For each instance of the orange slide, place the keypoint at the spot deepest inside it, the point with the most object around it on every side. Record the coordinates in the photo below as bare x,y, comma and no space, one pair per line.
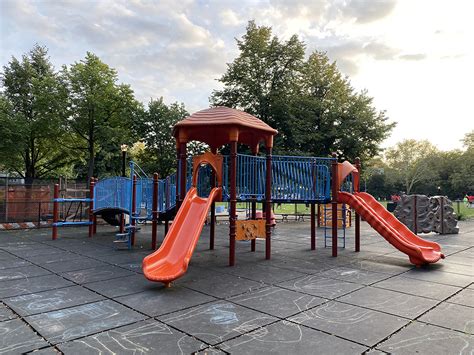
171,260
420,251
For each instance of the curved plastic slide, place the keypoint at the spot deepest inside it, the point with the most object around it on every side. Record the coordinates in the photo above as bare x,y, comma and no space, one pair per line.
171,260
420,251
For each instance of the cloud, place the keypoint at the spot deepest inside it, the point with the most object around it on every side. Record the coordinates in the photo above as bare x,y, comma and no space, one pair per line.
365,11
417,56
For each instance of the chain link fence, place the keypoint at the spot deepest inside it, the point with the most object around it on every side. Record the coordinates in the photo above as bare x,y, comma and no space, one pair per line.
22,202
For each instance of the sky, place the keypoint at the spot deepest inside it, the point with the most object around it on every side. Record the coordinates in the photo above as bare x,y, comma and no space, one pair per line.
414,57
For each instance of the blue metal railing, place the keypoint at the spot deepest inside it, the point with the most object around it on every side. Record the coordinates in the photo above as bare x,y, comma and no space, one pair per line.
113,193
294,179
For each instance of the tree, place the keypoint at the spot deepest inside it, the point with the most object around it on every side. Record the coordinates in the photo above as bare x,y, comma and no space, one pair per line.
411,162
262,78
155,126
32,113
462,179
313,106
102,113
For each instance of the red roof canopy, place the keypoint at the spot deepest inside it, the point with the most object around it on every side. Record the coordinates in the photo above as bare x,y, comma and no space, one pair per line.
217,126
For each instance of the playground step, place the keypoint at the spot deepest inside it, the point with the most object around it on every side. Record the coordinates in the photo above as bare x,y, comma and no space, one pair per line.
121,241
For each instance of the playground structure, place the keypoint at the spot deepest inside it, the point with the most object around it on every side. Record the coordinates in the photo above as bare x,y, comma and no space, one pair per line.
191,193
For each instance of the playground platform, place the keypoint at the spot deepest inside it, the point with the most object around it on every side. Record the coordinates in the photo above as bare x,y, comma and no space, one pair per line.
81,296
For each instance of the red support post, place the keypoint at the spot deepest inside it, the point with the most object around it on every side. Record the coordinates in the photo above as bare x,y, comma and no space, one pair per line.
154,212
268,207
212,227
134,208
94,230
167,203
334,188
55,211
357,216
313,226
91,208
233,201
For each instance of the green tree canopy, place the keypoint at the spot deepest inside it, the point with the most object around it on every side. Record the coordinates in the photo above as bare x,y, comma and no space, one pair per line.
33,107
102,113
411,162
155,126
313,106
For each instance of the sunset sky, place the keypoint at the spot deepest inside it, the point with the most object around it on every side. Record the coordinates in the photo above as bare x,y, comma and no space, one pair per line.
415,57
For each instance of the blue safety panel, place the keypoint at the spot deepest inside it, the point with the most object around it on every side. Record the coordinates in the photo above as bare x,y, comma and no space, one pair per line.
144,201
170,192
113,193
302,179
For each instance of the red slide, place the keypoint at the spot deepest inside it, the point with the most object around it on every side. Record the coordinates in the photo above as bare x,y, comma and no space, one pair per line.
420,251
171,260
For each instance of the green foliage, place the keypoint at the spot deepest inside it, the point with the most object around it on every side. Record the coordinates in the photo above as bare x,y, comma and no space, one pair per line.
102,114
262,79
462,178
418,167
411,162
313,106
155,126
32,114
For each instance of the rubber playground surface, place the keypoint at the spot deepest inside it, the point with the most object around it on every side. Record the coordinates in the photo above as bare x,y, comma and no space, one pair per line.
82,296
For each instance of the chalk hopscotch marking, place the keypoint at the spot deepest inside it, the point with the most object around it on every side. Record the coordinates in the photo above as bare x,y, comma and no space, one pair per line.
221,316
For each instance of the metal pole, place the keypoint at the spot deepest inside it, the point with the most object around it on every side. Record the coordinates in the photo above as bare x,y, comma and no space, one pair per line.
6,199
254,217
233,201
154,211
183,164
335,188
357,216
178,175
313,226
213,211
91,207
415,215
55,211
124,154
122,216
94,230
268,207
442,214
132,214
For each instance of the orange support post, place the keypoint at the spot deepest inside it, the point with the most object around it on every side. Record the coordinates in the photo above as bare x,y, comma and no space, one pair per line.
154,211
335,188
134,207
55,211
91,208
